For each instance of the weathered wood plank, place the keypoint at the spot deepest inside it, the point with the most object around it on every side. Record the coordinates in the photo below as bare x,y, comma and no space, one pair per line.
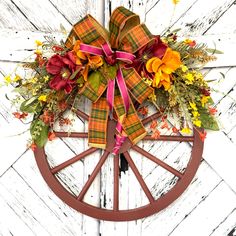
161,14
69,218
227,226
201,220
34,10
12,18
196,22
10,222
28,205
11,129
186,203
225,24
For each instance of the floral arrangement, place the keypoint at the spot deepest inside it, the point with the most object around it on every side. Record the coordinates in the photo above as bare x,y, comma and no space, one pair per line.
117,71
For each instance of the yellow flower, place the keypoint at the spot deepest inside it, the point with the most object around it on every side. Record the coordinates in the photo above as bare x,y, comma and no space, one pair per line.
204,100
193,106
46,78
8,79
186,130
17,78
42,98
153,97
38,52
195,114
163,68
184,68
197,122
190,78
175,1
33,80
38,43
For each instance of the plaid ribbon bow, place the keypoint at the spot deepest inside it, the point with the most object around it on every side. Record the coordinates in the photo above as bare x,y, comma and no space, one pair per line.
126,35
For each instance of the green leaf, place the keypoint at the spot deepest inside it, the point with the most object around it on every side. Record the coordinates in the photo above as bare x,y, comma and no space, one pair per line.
208,121
39,132
95,79
74,74
29,106
214,51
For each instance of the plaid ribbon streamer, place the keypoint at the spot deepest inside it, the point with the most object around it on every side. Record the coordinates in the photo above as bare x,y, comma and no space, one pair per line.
126,34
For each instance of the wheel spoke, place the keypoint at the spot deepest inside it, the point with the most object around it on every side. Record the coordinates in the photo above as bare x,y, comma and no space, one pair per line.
81,114
93,175
139,177
157,161
73,160
71,135
116,183
170,138
151,118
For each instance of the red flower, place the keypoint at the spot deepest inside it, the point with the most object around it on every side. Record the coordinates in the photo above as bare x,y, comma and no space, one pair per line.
62,68
157,49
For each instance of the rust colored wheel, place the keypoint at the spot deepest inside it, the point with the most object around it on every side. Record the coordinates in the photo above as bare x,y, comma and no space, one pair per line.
116,214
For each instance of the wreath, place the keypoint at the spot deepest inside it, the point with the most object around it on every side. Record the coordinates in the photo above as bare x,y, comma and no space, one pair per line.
120,71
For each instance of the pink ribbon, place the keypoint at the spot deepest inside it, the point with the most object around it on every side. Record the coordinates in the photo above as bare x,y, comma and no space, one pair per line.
111,57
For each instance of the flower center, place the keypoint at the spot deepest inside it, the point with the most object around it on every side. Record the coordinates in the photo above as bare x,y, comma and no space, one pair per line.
65,73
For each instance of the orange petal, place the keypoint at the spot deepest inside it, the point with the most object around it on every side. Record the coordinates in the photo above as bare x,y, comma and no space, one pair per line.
85,72
81,55
149,64
76,47
95,61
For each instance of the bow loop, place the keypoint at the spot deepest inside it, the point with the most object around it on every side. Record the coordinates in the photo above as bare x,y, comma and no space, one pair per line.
126,36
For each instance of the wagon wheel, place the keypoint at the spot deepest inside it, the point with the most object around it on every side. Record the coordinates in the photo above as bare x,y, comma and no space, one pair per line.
115,214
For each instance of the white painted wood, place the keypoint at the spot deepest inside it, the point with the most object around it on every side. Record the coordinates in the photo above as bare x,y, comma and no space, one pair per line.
165,221
27,204
12,18
34,10
208,214
227,226
219,152
201,16
10,222
69,218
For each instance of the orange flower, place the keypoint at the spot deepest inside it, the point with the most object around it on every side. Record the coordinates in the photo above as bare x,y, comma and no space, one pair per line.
143,111
165,125
32,146
19,115
154,124
163,68
86,60
212,110
203,135
175,130
51,136
156,134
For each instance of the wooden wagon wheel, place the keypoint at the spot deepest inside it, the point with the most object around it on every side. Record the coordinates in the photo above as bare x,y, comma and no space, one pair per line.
115,214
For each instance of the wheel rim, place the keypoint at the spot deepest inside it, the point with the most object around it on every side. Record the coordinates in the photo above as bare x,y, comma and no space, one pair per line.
154,206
